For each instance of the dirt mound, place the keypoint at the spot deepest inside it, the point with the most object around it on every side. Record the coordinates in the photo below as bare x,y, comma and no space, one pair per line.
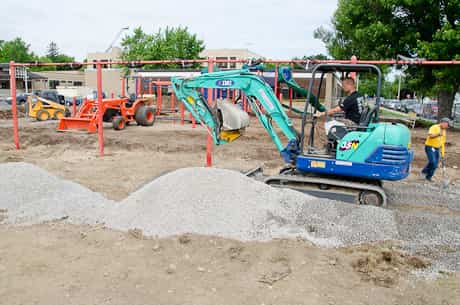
384,264
7,114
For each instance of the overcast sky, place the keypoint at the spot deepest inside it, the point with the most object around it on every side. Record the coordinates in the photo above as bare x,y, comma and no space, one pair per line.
272,28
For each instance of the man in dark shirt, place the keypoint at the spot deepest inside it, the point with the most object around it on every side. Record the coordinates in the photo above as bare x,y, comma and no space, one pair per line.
353,104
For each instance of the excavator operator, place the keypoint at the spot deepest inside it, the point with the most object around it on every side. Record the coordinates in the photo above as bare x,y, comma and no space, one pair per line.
352,106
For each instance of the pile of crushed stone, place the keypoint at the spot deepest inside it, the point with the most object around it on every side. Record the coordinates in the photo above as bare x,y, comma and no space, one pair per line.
225,203
31,195
205,201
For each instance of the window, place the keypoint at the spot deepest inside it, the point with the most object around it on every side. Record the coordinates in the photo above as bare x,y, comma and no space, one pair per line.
104,66
222,65
233,64
78,84
52,84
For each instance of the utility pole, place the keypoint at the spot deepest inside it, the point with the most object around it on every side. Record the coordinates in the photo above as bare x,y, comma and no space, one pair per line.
116,38
25,80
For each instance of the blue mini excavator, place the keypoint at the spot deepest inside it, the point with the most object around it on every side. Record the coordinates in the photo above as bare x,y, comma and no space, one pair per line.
357,158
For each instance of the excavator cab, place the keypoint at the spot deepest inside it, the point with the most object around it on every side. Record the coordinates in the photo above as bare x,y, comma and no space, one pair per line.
335,130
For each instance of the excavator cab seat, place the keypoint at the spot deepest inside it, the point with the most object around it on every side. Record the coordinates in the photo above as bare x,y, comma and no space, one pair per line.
336,133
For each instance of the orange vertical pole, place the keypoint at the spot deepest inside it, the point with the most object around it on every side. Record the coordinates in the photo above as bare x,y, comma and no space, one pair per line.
138,87
159,99
123,87
173,107
14,104
354,60
173,102
74,106
193,120
150,87
209,141
100,126
245,103
182,113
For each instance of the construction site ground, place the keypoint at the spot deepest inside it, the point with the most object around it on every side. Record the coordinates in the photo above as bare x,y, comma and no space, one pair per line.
59,263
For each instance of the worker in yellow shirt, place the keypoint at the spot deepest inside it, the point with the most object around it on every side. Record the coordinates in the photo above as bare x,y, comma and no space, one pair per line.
434,143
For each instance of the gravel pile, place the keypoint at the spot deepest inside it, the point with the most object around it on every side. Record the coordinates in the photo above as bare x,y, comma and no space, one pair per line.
423,194
209,202
225,203
31,195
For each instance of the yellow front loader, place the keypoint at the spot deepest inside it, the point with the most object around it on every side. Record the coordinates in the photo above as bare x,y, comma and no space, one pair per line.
43,110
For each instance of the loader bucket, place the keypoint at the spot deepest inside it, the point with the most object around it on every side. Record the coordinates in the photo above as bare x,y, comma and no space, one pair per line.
88,125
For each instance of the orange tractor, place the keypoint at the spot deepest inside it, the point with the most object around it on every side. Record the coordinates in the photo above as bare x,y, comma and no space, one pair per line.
120,112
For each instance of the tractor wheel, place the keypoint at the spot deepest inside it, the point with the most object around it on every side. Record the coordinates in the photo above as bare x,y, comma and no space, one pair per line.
67,113
145,116
118,123
58,114
43,115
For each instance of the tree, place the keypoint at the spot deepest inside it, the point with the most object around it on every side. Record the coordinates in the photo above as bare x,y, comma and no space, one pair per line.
170,43
54,56
52,51
16,49
379,29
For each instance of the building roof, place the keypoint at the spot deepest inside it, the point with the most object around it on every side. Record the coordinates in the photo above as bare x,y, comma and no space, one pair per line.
5,75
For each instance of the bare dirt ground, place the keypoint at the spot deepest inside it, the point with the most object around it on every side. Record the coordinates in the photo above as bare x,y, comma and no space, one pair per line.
57,263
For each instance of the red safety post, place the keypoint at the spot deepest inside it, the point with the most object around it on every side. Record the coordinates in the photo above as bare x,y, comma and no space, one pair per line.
234,95
159,99
192,118
74,106
14,103
182,113
228,93
123,87
245,103
354,60
173,102
112,95
138,87
209,141
100,123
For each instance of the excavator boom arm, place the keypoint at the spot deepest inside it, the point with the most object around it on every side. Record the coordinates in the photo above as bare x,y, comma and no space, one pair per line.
260,96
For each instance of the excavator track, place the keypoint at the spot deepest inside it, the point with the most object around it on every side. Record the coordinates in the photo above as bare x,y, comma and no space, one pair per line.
367,193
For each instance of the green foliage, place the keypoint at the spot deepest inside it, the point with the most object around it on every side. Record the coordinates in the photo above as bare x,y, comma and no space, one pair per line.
52,51
167,44
16,49
381,29
53,55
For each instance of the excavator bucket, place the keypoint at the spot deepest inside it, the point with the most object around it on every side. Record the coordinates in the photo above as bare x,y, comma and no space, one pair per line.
85,124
